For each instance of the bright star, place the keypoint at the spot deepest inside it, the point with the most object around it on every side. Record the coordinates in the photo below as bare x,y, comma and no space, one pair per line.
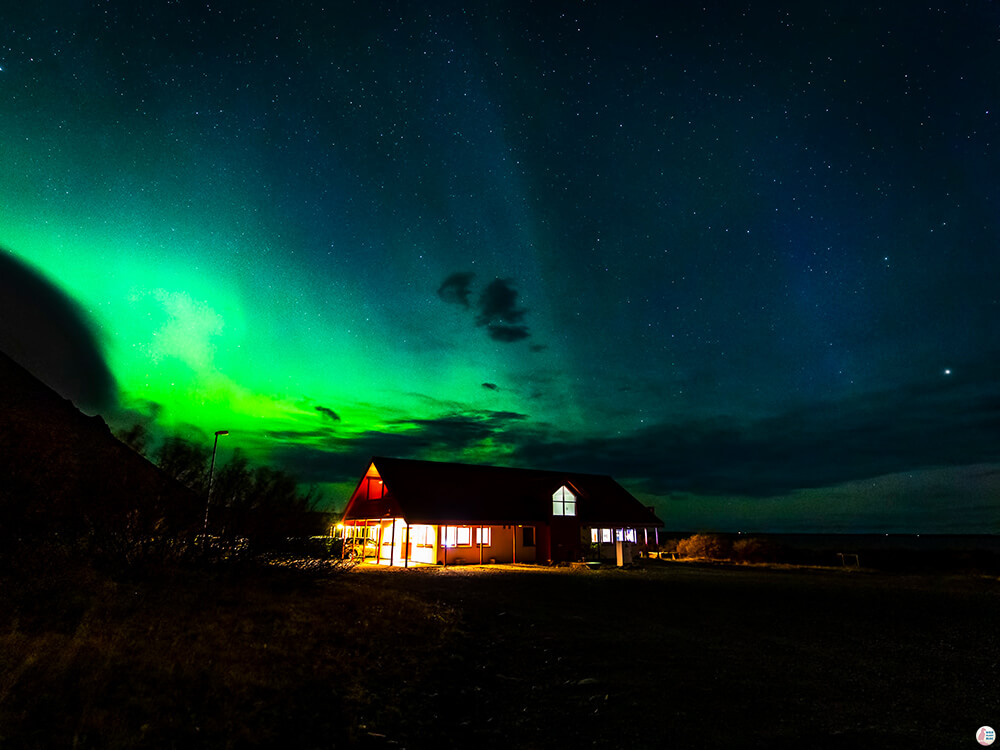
947,371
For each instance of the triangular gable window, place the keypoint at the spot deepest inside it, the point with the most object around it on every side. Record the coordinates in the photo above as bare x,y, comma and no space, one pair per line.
563,502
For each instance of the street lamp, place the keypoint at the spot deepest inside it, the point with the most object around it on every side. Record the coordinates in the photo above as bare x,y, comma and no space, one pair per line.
211,474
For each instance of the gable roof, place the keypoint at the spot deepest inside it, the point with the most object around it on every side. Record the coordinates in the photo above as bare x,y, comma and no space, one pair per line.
438,492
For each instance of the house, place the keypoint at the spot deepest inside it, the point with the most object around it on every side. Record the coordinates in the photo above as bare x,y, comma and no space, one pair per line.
407,512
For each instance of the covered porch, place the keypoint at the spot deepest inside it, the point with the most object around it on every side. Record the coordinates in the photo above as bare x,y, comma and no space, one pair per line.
394,542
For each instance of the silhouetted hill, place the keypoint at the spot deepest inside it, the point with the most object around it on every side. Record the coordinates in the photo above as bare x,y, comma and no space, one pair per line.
64,473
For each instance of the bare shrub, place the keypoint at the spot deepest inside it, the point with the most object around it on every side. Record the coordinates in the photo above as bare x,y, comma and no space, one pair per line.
706,546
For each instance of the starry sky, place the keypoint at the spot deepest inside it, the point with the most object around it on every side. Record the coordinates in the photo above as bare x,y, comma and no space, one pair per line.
744,259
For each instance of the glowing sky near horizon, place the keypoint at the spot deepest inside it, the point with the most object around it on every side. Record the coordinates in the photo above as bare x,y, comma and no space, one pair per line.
743,260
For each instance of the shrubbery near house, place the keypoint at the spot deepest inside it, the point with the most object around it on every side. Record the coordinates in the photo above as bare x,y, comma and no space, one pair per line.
707,546
718,547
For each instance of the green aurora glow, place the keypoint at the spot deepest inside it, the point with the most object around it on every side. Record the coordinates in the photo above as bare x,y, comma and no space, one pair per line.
725,259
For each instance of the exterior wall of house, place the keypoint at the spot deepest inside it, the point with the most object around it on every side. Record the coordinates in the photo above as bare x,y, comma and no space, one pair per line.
565,544
619,545
393,542
506,545
620,553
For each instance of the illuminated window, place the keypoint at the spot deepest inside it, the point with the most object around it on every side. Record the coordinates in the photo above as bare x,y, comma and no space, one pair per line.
483,536
422,536
457,536
606,536
528,536
630,535
563,502
593,536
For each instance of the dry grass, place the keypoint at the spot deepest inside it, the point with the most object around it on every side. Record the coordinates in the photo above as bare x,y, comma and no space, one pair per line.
683,656
220,659
672,655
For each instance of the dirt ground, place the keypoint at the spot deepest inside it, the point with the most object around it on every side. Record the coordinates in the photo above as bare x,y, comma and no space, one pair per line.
687,656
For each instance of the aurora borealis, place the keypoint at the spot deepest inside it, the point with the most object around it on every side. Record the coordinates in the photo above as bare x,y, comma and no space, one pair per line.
744,259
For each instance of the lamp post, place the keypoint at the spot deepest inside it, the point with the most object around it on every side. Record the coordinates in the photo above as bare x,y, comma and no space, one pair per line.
211,474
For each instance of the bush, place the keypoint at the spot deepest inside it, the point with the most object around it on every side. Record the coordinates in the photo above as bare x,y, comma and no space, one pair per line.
708,546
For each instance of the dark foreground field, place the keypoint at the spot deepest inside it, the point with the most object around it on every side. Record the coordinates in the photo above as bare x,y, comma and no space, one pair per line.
669,656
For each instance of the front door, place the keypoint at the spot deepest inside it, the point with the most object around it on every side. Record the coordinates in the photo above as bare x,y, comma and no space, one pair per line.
565,539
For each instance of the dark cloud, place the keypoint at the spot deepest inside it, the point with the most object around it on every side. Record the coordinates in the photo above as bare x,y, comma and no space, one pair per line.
491,386
330,413
321,464
47,333
456,288
507,334
817,458
497,305
461,432
341,459
945,423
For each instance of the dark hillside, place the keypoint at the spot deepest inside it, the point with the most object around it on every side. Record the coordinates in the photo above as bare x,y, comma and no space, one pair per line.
64,474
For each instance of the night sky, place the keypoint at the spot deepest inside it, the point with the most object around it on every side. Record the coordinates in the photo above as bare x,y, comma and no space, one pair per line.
745,260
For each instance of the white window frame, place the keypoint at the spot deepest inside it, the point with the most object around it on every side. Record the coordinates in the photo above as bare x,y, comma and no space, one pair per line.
421,535
457,536
564,502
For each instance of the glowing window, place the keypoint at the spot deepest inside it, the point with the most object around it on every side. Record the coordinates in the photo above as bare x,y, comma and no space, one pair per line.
606,536
422,536
563,502
483,536
594,536
457,536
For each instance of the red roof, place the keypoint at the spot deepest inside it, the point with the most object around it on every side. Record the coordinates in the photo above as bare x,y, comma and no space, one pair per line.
436,492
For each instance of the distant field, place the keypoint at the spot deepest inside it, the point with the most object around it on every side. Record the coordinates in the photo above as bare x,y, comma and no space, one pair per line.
669,655
952,553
